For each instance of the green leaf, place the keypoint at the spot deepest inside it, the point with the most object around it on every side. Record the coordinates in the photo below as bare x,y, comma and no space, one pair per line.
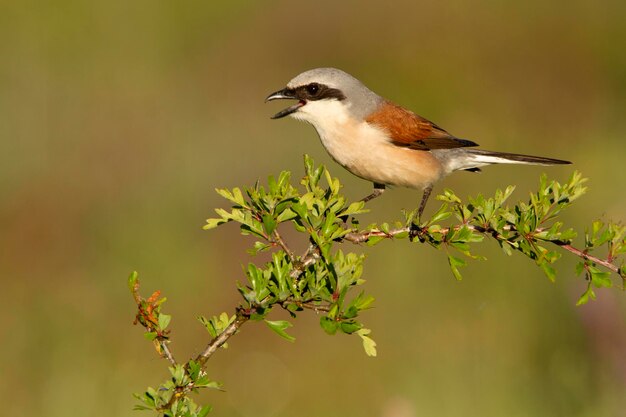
350,327
258,247
374,240
238,197
194,369
178,373
548,270
455,263
269,223
368,343
208,325
164,321
600,278
351,312
308,164
205,382
364,303
132,280
441,214
279,327
287,214
300,209
213,223
329,325
588,294
272,185
354,208
449,196
204,411
139,407
225,193
332,314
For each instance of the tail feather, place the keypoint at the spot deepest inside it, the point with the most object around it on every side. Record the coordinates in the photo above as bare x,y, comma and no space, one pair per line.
492,157
472,159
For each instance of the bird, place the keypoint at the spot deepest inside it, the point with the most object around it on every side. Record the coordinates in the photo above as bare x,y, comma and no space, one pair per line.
380,141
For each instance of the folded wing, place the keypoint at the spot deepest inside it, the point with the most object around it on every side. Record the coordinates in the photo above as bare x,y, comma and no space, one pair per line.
407,129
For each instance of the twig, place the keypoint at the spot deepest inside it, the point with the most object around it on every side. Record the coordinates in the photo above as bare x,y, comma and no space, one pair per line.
279,240
240,318
167,354
145,316
309,257
315,308
312,255
310,305
586,256
363,236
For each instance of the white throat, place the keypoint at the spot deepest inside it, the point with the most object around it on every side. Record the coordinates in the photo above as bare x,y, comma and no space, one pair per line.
338,130
324,115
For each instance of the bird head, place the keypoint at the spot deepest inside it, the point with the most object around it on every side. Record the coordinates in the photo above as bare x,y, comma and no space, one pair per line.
323,94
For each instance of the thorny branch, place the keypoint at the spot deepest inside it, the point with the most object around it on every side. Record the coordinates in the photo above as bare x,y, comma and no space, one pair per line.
309,305
363,236
312,255
582,254
241,317
167,354
277,238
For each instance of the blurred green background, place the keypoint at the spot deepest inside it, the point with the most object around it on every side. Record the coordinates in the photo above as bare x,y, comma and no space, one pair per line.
118,119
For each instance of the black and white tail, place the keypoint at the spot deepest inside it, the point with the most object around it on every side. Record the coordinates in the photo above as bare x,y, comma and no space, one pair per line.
473,159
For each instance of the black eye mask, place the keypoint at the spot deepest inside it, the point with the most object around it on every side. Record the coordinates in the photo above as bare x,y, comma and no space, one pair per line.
305,93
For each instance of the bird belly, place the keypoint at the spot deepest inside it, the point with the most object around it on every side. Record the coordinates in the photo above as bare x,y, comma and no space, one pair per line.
365,151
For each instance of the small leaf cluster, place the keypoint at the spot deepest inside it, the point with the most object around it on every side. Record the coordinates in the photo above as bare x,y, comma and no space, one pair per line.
217,324
171,398
523,227
149,315
526,227
612,236
321,278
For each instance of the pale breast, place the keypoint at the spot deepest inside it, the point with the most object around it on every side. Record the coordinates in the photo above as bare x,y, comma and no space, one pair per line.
366,151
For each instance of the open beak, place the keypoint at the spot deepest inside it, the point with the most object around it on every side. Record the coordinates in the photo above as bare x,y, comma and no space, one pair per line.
285,94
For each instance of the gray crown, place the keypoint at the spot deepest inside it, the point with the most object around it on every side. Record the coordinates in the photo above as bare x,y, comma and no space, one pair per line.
354,90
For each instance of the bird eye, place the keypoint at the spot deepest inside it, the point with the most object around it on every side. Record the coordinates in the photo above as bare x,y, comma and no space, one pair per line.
312,89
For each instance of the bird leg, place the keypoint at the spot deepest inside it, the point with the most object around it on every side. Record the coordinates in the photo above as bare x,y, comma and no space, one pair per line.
378,190
425,196
415,229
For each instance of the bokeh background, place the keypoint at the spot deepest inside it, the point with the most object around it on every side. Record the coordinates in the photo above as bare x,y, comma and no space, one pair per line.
118,119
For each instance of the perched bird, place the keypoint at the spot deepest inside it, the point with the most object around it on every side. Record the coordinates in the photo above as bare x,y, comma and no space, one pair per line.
380,141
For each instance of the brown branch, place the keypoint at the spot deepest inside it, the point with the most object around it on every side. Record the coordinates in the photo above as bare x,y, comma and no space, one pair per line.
586,256
363,236
167,354
310,305
243,315
279,240
240,318
309,257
